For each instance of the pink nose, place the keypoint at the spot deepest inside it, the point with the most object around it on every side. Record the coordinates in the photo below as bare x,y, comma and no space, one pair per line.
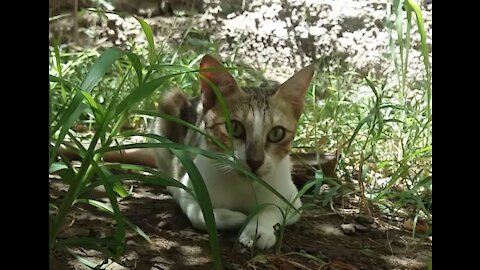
254,164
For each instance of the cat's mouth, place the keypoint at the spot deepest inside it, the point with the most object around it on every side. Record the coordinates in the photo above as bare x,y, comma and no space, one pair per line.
260,171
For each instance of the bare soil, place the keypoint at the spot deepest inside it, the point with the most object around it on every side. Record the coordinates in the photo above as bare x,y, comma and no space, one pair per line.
176,245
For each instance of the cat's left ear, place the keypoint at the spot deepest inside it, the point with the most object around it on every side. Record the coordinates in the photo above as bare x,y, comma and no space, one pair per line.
213,72
293,91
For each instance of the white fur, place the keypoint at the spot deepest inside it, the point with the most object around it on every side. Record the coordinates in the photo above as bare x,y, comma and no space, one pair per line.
258,126
233,196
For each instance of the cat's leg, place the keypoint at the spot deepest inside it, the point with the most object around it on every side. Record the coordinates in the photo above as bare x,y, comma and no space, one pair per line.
262,228
292,215
224,218
267,219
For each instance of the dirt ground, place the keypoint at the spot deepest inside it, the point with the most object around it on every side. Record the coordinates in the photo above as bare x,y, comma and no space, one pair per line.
178,246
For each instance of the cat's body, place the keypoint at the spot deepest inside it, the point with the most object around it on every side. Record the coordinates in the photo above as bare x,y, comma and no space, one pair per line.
264,123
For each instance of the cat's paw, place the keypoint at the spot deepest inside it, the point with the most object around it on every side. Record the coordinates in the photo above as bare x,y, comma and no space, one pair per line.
228,219
265,236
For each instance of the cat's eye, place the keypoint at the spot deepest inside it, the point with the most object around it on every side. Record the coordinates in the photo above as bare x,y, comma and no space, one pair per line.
238,131
276,134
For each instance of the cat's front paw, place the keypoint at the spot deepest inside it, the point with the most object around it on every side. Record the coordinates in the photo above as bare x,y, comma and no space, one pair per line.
265,236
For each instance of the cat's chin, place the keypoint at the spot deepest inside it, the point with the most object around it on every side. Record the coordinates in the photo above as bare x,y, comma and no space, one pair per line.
263,171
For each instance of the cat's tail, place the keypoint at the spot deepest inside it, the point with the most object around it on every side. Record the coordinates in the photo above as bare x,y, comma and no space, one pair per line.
177,104
174,103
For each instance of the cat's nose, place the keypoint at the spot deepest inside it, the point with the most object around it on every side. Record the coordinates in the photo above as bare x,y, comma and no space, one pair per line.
254,164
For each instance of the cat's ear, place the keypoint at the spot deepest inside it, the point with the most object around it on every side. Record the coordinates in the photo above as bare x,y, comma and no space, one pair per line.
293,91
212,71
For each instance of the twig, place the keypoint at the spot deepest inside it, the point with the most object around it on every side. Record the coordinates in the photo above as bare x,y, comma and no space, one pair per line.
388,241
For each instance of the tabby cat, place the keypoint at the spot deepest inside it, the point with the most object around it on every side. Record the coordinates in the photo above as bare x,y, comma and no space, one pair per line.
264,122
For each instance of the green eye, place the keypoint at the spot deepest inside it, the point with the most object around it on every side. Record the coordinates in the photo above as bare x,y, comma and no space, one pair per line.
276,134
238,131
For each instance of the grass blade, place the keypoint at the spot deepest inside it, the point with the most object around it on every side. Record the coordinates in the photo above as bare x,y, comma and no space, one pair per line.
159,179
87,262
106,59
183,123
147,30
57,166
142,92
97,110
203,199
137,66
357,129
59,70
107,208
412,5
76,107
120,224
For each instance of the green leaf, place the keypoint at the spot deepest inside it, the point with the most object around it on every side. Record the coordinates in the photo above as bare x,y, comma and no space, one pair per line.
57,166
180,122
104,174
52,206
106,59
372,86
76,106
137,66
147,30
357,129
412,5
96,109
158,178
142,92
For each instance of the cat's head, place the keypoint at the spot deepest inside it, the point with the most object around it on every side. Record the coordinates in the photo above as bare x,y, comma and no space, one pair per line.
264,121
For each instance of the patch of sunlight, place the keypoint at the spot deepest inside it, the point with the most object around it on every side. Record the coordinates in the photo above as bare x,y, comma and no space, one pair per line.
407,263
330,229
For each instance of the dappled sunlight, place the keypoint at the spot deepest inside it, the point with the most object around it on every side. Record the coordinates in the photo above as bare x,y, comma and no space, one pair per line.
330,229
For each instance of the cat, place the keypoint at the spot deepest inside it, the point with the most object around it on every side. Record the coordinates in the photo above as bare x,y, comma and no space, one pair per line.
264,122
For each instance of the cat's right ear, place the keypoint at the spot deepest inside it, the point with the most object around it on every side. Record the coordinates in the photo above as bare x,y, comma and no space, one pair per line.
213,72
294,89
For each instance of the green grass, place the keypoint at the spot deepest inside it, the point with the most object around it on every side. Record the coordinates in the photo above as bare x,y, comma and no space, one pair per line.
383,131
107,119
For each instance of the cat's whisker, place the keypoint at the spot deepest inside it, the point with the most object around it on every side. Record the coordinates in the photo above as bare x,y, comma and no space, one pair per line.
223,167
